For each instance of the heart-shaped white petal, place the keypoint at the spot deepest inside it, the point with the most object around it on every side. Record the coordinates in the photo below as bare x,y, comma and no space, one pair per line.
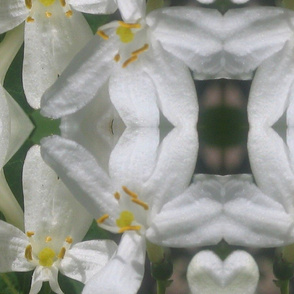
208,274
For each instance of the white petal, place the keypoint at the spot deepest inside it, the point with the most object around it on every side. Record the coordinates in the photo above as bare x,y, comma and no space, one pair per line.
174,85
206,1
49,49
50,209
13,243
12,13
134,157
134,96
9,205
85,259
270,88
192,35
124,271
252,35
94,6
131,10
271,167
87,181
240,1
177,146
208,274
81,80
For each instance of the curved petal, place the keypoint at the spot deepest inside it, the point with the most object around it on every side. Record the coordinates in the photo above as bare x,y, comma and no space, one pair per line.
127,262
174,85
270,88
237,274
192,35
94,6
12,13
81,80
49,49
134,157
13,243
85,259
131,10
87,181
133,94
50,209
252,35
177,146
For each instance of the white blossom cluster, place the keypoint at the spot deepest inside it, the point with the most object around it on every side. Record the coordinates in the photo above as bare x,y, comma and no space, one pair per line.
127,152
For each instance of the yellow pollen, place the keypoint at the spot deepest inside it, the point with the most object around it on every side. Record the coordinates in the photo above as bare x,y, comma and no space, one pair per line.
129,25
130,60
68,239
30,19
28,253
125,34
116,195
46,256
30,234
129,228
28,4
62,2
141,203
61,253
117,59
48,239
102,35
141,50
47,2
69,13
102,218
125,219
48,14
129,192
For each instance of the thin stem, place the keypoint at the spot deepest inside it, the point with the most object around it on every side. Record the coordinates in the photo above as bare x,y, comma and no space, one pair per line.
161,286
7,281
284,286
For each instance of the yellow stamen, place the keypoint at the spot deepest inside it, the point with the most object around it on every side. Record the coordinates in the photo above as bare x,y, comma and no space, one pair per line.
28,253
116,195
69,13
141,203
129,192
102,35
129,228
117,58
125,219
46,257
47,2
48,14
30,19
130,60
141,50
62,2
28,4
30,234
102,218
129,25
68,239
61,253
48,239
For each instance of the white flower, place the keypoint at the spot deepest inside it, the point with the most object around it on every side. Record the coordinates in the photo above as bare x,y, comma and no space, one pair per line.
15,127
143,176
237,274
54,223
221,207
145,65
53,35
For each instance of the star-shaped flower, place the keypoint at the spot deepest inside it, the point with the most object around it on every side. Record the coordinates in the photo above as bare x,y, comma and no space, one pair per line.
54,224
145,64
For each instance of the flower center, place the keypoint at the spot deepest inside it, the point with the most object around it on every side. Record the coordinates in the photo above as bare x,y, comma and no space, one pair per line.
47,2
125,34
125,219
46,256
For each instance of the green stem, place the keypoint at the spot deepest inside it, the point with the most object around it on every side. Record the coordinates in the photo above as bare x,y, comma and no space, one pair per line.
161,286
9,284
284,286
